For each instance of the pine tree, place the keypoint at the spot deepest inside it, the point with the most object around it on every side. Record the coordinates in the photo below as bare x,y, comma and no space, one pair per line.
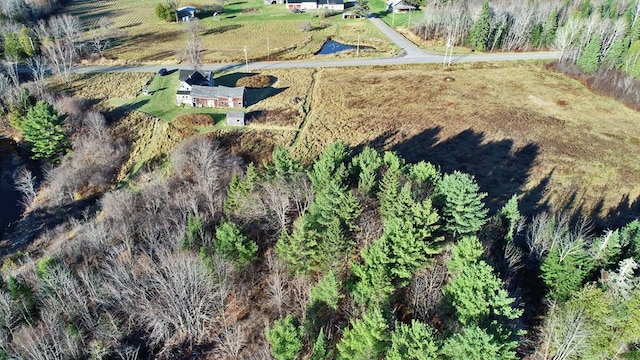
480,33
43,129
366,166
285,338
414,342
478,297
460,201
330,166
615,56
473,343
319,347
362,8
282,166
326,291
366,339
240,188
563,272
510,215
374,280
234,246
300,249
549,29
590,58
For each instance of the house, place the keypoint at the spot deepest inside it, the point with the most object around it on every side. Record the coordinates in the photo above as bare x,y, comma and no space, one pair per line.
273,2
398,6
235,118
218,96
186,13
350,15
189,78
302,4
331,4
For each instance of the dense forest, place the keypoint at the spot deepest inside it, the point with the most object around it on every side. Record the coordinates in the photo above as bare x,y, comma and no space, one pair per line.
357,255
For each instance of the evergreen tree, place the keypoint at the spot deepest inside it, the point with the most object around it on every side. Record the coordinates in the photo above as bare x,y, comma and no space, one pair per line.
549,29
590,58
193,234
366,339
319,347
615,56
285,338
330,166
231,244
362,8
478,297
374,280
282,166
300,249
460,201
20,107
26,42
536,35
564,270
12,47
480,33
474,343
240,188
366,166
326,291
415,342
510,215
43,129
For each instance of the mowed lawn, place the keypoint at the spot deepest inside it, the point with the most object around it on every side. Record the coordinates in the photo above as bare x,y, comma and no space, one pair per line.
267,31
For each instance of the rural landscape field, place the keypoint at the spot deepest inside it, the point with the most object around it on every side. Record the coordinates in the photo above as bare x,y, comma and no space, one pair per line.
456,179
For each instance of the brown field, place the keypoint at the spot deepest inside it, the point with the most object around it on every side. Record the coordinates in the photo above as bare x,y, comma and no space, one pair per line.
268,31
519,128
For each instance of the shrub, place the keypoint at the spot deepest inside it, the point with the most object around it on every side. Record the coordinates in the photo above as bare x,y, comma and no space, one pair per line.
285,338
255,81
189,120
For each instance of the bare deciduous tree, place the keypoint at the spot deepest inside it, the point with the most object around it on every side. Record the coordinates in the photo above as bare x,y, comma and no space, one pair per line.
38,66
193,47
25,183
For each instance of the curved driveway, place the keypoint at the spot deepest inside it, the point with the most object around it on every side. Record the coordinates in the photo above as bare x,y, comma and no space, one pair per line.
412,55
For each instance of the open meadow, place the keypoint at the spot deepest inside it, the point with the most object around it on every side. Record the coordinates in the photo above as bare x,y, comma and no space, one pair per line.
519,128
269,32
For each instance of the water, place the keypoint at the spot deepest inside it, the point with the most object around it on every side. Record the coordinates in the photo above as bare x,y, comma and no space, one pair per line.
332,47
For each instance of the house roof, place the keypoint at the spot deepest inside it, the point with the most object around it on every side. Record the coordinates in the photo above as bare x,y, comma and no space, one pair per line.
294,1
186,11
209,92
183,92
192,77
330,2
404,6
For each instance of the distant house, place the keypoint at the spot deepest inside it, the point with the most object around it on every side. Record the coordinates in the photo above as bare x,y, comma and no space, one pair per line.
315,4
186,13
273,2
218,96
235,118
398,6
350,15
189,78
331,4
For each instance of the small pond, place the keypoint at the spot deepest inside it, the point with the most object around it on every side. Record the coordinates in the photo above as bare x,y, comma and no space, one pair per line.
332,47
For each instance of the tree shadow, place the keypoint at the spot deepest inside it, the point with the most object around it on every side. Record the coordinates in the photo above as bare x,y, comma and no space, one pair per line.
221,29
500,168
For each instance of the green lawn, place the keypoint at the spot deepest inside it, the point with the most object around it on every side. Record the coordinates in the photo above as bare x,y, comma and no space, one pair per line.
161,102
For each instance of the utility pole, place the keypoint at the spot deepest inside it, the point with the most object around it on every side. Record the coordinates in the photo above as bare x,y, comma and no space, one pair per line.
268,50
358,49
246,59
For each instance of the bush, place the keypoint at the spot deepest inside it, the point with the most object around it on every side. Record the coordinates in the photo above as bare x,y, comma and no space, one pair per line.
255,81
189,120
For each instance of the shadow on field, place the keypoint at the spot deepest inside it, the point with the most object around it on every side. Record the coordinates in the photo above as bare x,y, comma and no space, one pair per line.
253,95
499,169
221,29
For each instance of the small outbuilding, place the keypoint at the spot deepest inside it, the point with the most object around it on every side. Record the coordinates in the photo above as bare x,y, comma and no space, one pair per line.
399,6
186,13
235,118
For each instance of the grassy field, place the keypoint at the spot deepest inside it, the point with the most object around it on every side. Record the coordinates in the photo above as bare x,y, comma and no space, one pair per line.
519,128
268,31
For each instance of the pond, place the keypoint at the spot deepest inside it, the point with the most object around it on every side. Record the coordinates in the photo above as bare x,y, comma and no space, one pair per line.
332,47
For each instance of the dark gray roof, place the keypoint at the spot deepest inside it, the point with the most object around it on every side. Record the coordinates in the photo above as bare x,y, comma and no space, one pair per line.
294,1
192,77
209,92
330,2
183,92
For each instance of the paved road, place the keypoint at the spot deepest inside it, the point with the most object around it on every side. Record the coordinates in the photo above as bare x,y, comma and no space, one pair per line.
412,55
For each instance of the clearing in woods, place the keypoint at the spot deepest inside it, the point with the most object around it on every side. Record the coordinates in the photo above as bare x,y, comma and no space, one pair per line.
519,128
269,32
